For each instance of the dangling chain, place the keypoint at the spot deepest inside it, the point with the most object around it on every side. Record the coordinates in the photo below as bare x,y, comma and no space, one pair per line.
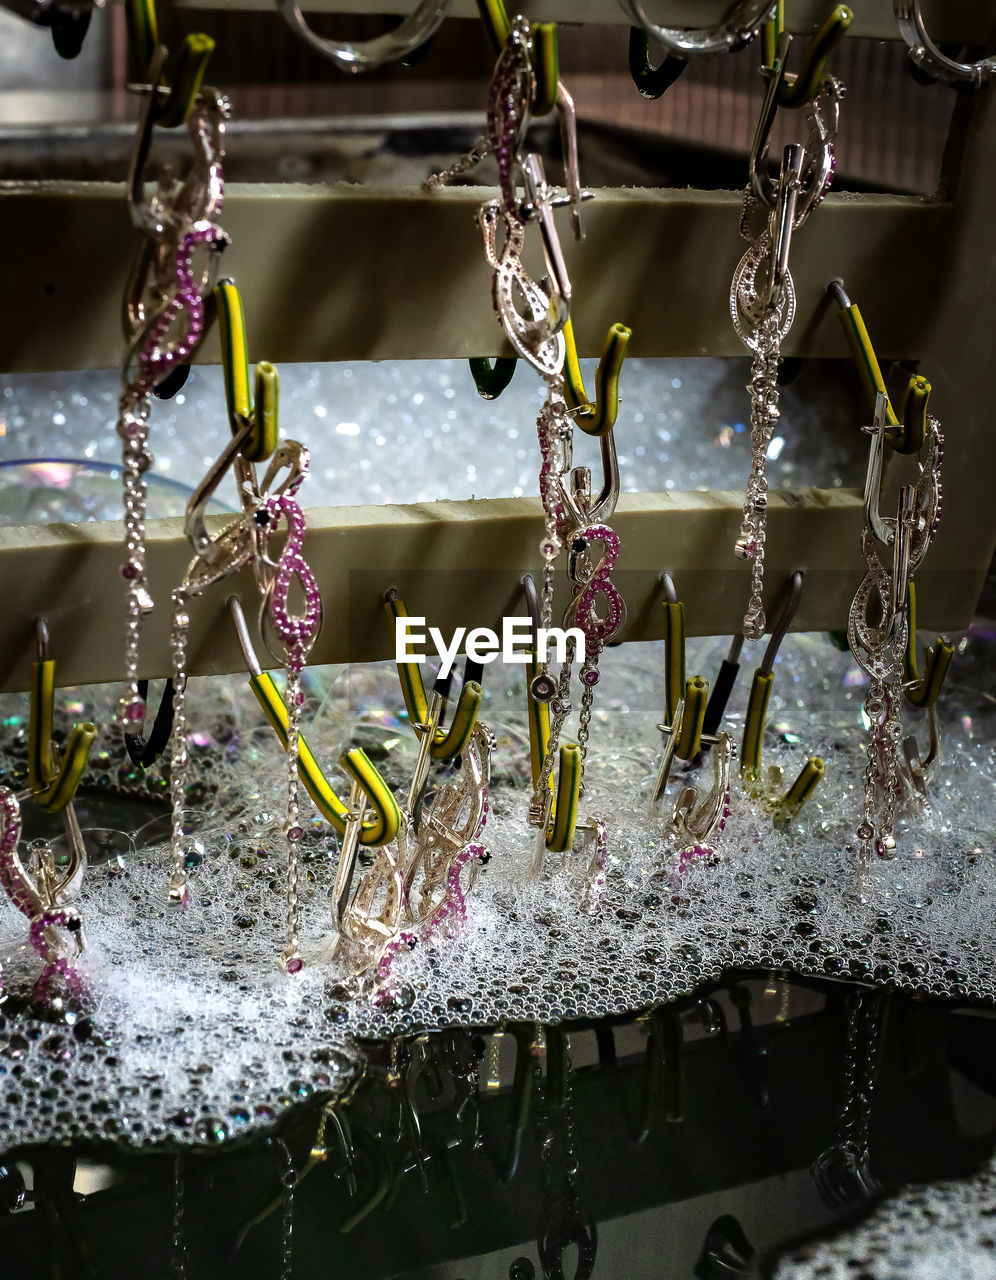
478,152
842,1172
508,106
167,310
297,634
881,776
179,746
244,542
764,414
763,324
879,649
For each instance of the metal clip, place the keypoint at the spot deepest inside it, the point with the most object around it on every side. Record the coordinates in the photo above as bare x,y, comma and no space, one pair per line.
783,218
538,206
873,476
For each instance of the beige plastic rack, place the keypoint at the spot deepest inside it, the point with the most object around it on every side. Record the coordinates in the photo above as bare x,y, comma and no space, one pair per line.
924,270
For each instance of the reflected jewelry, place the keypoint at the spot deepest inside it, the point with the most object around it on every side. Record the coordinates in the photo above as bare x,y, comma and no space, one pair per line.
762,298
164,322
878,620
567,1222
842,1173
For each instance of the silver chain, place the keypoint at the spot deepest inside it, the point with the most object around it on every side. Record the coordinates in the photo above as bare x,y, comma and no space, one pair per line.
863,1032
478,152
179,1256
764,414
179,750
288,1180
133,428
292,830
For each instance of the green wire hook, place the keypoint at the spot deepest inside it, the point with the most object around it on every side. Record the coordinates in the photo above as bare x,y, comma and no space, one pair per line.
383,826
491,378
691,695
598,418
651,82
565,796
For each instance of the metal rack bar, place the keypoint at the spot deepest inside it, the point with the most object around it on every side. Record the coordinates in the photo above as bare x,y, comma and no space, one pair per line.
964,20
388,259
456,563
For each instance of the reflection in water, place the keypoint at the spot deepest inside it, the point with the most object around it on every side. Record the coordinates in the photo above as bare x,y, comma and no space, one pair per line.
494,1152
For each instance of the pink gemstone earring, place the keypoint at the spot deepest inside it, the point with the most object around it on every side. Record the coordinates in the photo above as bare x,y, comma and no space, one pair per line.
415,891
42,894
164,320
289,636
44,889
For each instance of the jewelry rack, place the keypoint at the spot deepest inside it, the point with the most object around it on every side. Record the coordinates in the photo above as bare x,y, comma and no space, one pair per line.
924,270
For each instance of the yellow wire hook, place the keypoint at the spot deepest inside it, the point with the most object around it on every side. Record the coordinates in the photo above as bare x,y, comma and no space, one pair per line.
53,788
174,103
449,742
799,89
595,419
785,807
907,432
923,691
565,794
690,695
260,420
383,826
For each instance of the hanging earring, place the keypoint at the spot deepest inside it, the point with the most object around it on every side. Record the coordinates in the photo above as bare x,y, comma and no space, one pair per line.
164,322
906,432
534,320
445,852
43,891
762,297
878,622
288,636
415,891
